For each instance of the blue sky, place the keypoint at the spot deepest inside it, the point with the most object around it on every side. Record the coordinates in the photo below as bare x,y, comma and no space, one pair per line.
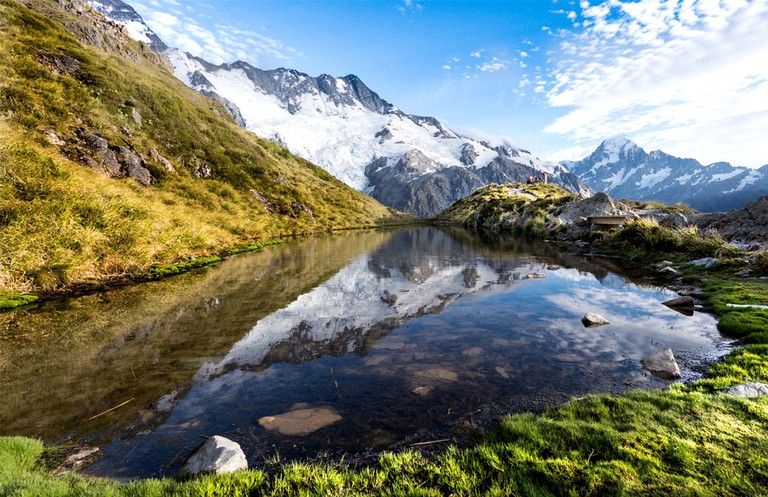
689,77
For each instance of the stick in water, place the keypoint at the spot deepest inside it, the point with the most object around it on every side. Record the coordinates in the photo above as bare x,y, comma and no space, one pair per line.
111,409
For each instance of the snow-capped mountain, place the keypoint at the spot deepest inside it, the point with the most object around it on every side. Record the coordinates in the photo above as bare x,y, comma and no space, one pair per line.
622,169
411,163
124,14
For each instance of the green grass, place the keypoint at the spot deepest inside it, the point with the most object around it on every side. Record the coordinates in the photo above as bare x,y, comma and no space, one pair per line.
647,240
10,300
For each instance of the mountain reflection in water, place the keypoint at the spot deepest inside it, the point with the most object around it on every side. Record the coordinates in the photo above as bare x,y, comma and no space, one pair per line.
414,332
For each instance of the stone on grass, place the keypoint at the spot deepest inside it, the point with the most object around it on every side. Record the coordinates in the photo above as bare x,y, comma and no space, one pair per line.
217,455
591,319
662,364
748,390
704,262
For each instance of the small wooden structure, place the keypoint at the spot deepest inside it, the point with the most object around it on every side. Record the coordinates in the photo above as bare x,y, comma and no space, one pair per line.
606,223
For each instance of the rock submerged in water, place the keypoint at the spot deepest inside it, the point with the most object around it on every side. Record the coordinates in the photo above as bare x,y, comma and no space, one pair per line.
662,364
302,420
218,455
591,319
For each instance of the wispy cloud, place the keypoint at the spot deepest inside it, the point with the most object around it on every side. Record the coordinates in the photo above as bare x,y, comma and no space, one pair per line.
687,76
222,43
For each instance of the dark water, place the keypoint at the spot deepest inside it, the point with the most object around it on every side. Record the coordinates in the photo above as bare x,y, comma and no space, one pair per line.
388,334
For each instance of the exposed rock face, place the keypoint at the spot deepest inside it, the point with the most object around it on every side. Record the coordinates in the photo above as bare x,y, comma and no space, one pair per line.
217,455
575,215
662,364
747,390
748,225
114,161
591,319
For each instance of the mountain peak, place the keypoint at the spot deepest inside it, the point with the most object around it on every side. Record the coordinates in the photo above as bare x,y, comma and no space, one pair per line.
617,143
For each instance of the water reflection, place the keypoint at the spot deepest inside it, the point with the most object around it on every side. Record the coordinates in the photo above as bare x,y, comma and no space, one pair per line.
359,341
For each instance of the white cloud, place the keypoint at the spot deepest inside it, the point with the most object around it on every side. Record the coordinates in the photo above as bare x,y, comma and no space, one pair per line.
483,136
687,76
493,65
219,44
476,54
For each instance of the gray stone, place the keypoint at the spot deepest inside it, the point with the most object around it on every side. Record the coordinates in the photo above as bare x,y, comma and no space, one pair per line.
662,364
217,455
747,390
684,301
155,156
591,319
670,271
705,262
134,167
136,116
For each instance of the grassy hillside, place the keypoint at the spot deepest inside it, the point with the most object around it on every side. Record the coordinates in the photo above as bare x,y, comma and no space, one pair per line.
187,181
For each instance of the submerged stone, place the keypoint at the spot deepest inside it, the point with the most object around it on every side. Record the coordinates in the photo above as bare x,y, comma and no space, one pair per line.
217,455
300,422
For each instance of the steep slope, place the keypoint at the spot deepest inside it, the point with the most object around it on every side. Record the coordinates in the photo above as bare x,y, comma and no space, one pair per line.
412,163
111,165
624,170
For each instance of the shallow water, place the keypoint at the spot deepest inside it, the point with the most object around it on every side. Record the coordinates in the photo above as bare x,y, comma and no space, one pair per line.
364,338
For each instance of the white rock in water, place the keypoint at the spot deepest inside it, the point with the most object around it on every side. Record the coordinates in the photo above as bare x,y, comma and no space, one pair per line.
591,319
217,455
662,364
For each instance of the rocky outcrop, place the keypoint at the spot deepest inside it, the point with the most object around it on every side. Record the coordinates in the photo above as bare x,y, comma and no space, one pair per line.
114,161
574,216
747,226
218,455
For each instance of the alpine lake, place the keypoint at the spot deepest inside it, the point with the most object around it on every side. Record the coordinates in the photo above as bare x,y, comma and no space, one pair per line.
336,346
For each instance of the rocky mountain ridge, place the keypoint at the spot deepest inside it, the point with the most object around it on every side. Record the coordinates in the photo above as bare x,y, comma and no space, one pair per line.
412,163
622,169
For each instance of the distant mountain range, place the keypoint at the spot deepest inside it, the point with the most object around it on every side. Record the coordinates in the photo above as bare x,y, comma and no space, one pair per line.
412,163
622,169
415,163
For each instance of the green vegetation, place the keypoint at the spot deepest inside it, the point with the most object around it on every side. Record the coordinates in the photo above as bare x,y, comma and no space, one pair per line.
63,222
9,300
517,208
652,205
646,239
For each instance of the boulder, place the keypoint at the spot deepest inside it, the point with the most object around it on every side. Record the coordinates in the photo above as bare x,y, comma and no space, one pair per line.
217,455
591,319
747,390
684,301
662,364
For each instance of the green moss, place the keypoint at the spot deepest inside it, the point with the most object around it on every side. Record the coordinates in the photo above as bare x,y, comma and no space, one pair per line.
183,266
10,300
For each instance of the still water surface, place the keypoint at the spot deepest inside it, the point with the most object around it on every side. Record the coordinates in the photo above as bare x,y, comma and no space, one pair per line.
365,340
